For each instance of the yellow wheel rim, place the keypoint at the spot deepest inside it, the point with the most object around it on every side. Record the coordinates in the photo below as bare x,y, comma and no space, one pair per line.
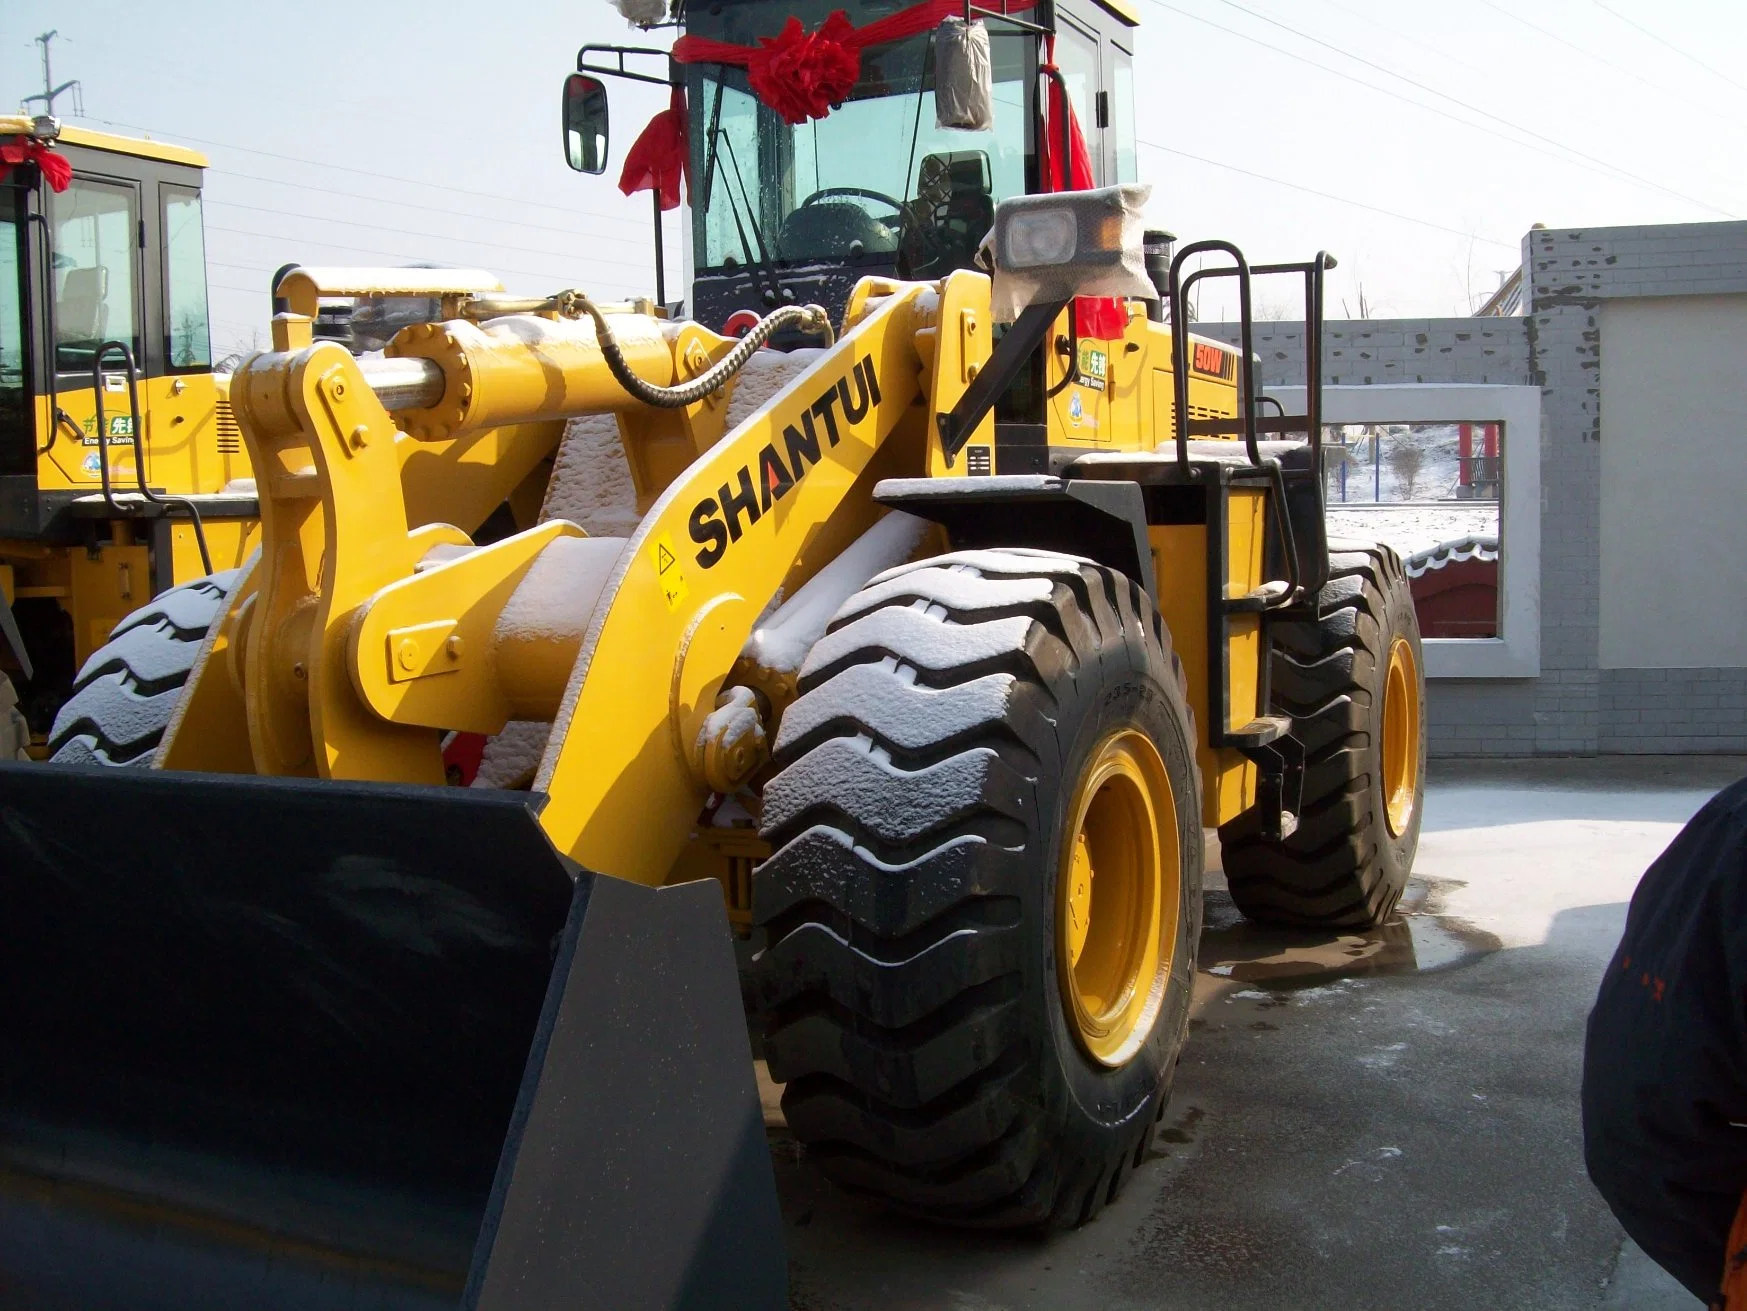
1401,737
1118,895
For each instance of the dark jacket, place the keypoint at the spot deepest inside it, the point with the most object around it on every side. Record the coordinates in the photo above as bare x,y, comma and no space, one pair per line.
1665,1061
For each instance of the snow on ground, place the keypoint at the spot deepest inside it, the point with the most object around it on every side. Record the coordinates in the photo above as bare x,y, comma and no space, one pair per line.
1387,470
1417,526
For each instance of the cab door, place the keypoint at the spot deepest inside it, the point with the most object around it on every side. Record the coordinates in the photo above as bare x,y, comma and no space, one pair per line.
97,279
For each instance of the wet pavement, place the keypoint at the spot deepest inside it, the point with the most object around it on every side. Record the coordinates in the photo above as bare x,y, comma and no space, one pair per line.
1378,1120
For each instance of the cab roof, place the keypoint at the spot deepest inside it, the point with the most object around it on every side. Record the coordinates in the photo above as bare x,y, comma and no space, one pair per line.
23,125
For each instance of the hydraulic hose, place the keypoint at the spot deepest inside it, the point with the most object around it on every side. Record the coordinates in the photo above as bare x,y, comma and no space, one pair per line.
574,304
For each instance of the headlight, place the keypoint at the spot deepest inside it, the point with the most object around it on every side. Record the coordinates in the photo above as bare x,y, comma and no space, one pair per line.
1041,236
1068,243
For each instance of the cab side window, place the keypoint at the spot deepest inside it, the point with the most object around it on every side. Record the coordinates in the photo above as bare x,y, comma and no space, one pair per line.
1122,114
1076,54
96,226
17,426
187,331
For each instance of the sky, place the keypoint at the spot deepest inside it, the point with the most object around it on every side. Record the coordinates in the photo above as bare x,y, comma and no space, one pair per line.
1417,141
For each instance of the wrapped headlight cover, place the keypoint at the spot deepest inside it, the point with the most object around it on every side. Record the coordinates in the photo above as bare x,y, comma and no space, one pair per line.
1069,243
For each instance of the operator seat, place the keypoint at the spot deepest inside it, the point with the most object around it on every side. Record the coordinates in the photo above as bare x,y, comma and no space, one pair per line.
952,213
82,311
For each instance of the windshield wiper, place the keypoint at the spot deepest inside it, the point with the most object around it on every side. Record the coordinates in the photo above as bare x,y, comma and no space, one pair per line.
766,264
762,264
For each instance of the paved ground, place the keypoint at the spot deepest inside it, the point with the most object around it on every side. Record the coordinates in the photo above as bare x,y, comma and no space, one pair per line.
1382,1121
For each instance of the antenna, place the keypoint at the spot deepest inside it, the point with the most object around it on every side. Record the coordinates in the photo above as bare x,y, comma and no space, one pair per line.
49,90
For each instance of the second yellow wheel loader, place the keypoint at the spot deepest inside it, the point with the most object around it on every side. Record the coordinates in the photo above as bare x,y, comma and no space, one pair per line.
928,656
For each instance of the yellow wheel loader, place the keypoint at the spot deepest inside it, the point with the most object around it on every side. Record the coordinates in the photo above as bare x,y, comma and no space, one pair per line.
929,650
104,348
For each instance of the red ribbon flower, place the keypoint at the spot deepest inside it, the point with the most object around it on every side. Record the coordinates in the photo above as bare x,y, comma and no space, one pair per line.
56,169
801,74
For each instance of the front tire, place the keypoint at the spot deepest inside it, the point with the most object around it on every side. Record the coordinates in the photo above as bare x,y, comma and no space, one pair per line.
125,694
983,903
1353,684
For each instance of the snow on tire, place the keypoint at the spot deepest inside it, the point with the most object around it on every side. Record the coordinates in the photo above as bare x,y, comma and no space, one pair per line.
908,979
124,696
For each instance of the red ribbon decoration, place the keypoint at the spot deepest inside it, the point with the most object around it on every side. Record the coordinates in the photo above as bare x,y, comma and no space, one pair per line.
1103,317
659,157
57,171
799,74
803,75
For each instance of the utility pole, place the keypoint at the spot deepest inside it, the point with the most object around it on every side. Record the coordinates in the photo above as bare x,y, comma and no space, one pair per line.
49,89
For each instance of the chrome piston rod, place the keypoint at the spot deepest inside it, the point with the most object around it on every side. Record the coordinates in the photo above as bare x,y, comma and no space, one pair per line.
404,384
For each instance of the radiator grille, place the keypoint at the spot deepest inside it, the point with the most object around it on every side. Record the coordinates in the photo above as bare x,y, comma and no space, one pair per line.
230,436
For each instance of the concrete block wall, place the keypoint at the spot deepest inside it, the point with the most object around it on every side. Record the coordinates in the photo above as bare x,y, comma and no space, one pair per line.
1367,351
1574,707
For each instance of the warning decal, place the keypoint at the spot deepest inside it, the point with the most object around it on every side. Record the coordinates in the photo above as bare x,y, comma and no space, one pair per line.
668,573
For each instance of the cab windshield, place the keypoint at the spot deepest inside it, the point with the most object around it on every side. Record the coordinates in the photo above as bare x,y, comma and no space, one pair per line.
875,181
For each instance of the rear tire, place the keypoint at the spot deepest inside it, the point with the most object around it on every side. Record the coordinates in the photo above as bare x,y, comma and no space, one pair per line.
123,697
1358,826
948,737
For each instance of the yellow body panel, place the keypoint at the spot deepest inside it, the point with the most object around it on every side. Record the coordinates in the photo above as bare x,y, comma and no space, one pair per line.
622,792
192,445
21,125
1245,510
411,668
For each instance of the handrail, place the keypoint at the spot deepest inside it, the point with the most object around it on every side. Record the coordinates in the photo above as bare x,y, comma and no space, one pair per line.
139,445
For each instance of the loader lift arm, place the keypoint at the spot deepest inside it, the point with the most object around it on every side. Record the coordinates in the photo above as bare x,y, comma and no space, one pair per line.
360,640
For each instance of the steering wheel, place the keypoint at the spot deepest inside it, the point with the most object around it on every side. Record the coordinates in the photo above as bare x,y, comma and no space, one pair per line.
865,194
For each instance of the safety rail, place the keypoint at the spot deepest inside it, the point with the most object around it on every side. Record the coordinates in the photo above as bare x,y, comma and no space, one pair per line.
138,423
1248,422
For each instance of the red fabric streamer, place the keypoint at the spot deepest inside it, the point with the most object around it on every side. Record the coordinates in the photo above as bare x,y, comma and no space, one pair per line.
803,75
1102,317
659,158
57,171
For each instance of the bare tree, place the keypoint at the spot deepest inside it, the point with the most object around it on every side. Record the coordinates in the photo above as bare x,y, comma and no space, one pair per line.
1406,460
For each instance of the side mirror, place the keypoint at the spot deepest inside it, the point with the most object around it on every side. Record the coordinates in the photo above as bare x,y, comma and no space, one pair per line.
585,123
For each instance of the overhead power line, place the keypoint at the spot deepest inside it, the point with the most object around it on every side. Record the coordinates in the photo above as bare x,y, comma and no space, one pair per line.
434,209
1474,109
1426,46
264,268
1564,154
1588,54
1662,41
497,196
435,236
1329,195
283,239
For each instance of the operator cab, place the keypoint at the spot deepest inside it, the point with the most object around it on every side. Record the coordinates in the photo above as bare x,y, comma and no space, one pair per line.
117,255
785,213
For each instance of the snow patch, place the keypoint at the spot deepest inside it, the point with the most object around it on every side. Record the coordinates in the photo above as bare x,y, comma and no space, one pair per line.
557,595
782,640
765,375
1413,528
513,755
591,482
